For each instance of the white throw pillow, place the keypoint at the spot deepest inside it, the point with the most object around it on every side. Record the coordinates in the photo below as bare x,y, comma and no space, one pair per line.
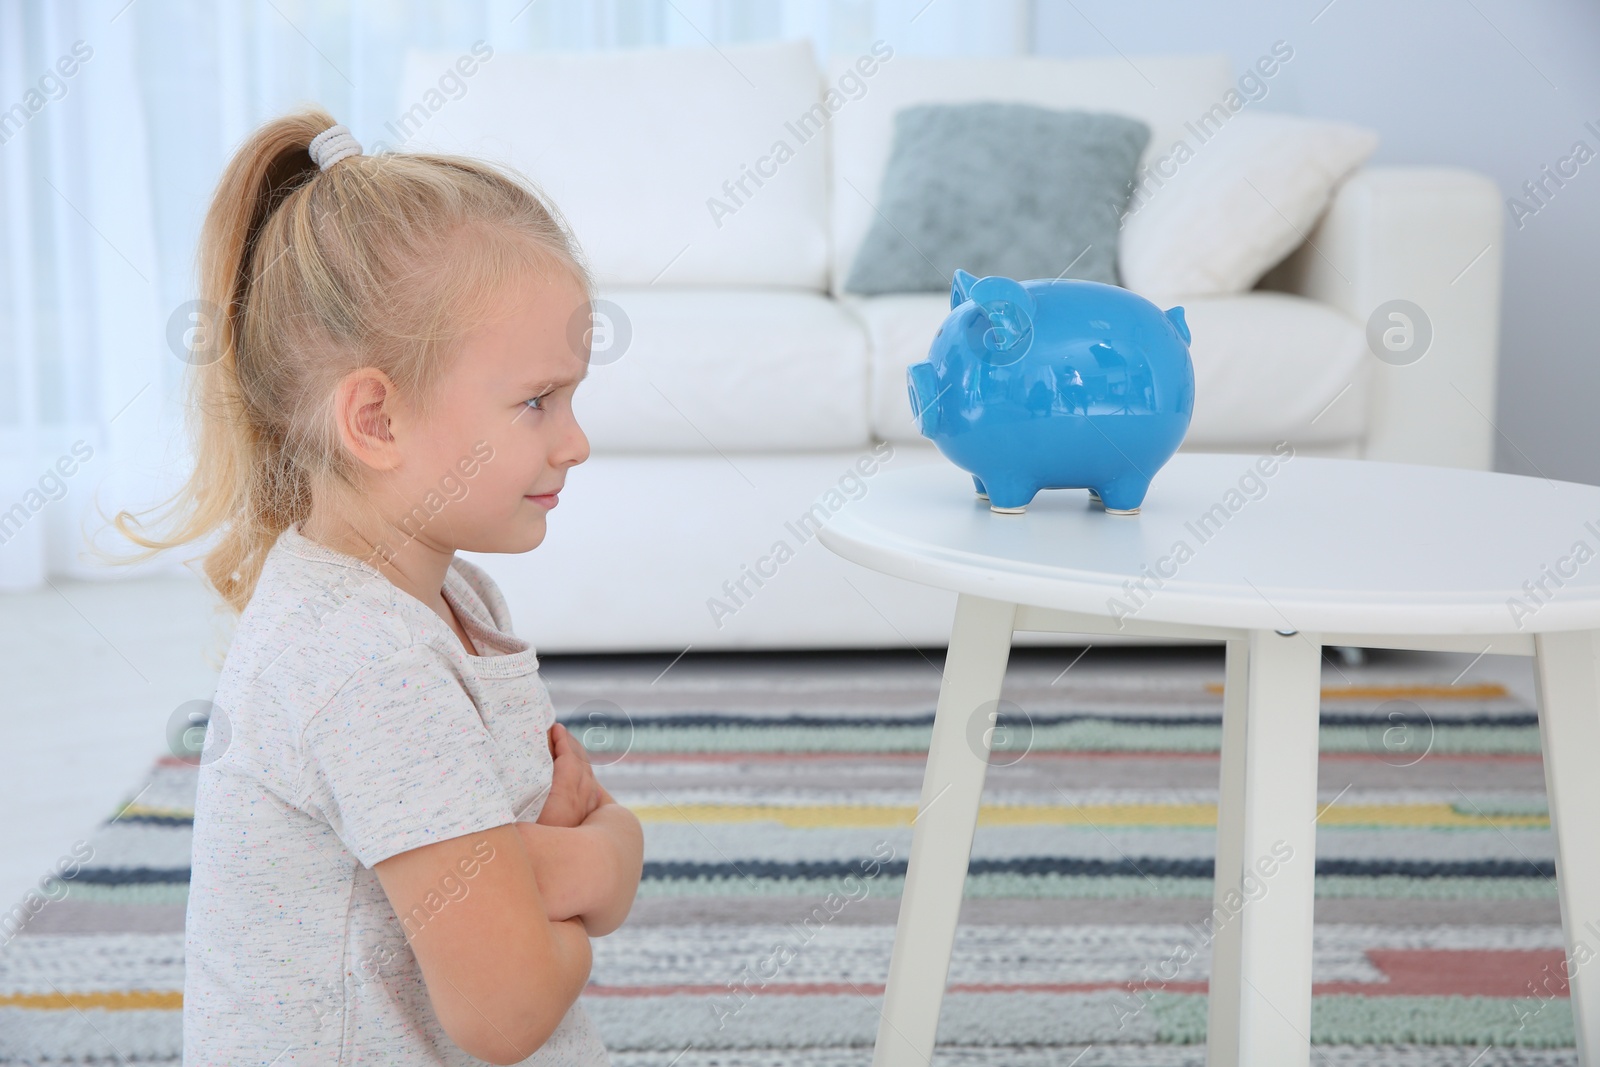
1235,204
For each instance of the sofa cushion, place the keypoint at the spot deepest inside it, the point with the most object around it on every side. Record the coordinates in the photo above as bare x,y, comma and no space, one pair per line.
1267,366
677,166
723,370
1243,202
1164,92
999,188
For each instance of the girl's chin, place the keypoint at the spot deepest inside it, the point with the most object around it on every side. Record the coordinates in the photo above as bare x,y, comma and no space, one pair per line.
520,532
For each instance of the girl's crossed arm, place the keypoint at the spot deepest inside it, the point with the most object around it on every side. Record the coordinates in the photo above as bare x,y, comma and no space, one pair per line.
501,974
587,850
590,871
508,956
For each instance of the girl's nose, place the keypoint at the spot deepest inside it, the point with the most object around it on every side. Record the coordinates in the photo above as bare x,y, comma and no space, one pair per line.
575,446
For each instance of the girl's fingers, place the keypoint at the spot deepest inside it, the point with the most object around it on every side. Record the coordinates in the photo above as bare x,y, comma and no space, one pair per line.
571,746
573,774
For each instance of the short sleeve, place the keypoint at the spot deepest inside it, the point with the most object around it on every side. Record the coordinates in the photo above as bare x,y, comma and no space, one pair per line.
400,758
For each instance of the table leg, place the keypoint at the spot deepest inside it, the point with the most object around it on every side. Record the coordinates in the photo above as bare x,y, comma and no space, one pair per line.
941,837
1222,1007
1567,683
1266,839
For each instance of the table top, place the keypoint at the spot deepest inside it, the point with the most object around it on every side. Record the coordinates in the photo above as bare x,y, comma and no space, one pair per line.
1317,544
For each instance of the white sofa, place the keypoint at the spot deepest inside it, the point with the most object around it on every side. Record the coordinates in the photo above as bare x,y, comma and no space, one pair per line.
750,385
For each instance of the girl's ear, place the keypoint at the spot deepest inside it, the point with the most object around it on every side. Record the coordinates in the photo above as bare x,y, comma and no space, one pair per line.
365,404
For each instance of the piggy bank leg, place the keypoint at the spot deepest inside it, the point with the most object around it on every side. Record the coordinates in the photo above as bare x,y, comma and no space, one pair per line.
1124,495
1009,496
1094,498
977,483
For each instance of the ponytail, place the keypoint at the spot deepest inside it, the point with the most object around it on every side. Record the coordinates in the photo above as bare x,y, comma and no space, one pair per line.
305,275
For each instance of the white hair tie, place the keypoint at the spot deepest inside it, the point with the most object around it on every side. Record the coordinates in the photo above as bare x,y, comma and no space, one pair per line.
332,145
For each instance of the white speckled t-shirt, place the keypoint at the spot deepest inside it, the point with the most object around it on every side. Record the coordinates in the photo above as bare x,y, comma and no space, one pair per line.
350,725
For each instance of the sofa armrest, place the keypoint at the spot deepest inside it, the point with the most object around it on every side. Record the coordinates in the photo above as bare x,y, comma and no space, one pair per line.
1432,236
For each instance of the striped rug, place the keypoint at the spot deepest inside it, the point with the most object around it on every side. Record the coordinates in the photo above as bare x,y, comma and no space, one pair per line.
777,793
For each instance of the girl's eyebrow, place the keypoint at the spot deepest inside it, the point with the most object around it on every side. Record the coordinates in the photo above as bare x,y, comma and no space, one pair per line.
549,382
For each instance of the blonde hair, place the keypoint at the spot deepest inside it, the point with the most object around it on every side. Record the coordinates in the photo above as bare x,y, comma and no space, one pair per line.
378,261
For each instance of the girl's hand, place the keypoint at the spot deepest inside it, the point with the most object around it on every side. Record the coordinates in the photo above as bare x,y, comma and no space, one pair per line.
574,790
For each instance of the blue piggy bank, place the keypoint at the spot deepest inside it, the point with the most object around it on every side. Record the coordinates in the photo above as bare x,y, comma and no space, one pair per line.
1055,384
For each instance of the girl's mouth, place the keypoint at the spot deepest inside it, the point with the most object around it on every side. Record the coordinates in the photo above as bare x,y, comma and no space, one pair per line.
544,500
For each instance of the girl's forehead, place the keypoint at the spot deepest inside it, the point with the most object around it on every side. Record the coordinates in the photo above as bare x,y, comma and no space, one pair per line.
547,295
537,336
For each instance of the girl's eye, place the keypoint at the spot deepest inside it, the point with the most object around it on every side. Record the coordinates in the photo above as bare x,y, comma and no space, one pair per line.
534,402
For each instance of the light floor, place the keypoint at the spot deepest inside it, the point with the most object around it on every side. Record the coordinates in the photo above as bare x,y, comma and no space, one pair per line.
97,670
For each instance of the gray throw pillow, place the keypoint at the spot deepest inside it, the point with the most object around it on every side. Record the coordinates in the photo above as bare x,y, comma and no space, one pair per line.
999,188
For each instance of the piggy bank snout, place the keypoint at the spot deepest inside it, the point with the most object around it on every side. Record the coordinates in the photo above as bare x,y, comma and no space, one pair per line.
922,385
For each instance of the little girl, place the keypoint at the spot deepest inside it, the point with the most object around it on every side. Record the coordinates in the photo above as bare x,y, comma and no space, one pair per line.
399,858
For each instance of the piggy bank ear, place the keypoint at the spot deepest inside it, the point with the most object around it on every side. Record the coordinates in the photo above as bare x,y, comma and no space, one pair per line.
959,287
1010,308
1176,315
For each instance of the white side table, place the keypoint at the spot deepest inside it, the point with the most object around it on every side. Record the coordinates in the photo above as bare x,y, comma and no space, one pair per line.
1316,552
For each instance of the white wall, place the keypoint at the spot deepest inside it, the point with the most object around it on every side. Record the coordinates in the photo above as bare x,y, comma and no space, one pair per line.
1496,85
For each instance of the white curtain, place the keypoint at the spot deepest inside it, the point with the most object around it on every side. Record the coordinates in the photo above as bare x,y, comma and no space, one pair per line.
115,120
